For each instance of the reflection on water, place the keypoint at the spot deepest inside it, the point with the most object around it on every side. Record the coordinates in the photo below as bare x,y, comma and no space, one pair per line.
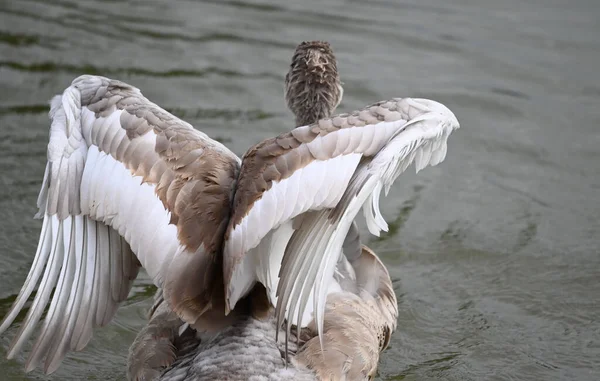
494,254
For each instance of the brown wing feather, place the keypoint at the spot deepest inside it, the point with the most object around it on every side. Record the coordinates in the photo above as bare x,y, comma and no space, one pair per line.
195,177
357,328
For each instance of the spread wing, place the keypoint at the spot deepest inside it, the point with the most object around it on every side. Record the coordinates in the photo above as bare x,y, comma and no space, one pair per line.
126,184
298,194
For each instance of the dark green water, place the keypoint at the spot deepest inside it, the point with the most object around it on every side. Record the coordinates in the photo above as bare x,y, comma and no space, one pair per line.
495,254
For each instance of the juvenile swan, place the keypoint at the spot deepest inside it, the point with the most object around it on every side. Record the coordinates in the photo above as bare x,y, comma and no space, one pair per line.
358,327
244,251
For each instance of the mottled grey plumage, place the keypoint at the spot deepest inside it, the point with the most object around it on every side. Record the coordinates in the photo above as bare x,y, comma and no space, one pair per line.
159,343
247,350
352,247
312,85
358,326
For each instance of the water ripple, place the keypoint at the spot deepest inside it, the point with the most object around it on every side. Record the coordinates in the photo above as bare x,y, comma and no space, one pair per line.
15,39
52,67
244,5
24,109
210,37
98,27
180,112
92,13
66,23
225,114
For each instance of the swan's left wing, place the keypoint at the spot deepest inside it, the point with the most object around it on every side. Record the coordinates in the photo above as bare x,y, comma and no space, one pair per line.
126,184
298,194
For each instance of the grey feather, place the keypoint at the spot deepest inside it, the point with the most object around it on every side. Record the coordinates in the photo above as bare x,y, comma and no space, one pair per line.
352,247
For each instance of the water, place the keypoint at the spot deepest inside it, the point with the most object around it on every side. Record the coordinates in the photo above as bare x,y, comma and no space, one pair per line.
495,254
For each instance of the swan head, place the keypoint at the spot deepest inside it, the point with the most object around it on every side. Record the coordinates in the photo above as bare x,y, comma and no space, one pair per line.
312,85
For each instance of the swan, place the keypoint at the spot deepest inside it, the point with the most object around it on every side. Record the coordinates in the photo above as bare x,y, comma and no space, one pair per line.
243,251
360,327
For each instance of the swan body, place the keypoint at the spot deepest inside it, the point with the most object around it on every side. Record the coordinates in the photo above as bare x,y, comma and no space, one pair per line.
249,251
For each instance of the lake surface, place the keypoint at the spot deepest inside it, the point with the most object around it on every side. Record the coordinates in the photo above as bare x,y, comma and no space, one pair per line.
495,254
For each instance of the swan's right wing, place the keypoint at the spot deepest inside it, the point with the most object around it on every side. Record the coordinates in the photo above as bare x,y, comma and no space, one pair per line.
298,195
123,177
